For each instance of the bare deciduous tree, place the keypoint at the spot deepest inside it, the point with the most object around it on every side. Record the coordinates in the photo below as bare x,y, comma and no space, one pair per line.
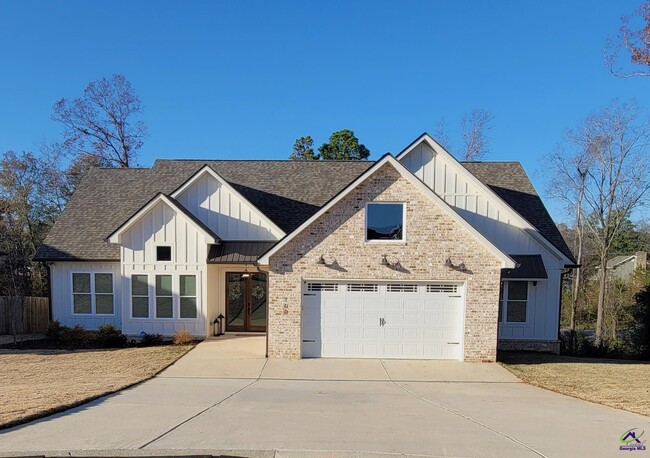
632,42
474,131
614,144
569,171
475,128
103,122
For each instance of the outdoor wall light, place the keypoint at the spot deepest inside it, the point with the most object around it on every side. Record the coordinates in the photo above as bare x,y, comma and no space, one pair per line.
459,267
388,263
321,261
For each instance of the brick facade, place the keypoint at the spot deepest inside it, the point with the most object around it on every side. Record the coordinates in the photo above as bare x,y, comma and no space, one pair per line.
431,237
547,346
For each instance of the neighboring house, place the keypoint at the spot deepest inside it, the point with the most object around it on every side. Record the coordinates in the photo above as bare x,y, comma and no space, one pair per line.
623,267
413,256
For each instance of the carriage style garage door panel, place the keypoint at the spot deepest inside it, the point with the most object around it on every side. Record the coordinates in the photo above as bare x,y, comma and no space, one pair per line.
382,320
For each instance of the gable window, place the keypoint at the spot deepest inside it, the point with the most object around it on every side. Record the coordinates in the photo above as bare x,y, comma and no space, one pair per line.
385,221
163,253
164,298
187,293
140,296
92,293
513,301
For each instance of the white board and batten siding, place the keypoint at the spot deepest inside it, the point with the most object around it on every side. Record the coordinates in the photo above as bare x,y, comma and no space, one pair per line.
541,318
225,212
501,225
161,226
62,301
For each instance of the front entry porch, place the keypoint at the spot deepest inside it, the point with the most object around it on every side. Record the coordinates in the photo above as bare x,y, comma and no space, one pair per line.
237,298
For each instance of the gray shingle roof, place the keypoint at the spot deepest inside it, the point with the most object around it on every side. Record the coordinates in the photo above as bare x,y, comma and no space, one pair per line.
510,182
288,192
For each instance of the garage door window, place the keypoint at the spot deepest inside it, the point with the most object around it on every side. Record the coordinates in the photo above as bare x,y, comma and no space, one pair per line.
514,301
385,222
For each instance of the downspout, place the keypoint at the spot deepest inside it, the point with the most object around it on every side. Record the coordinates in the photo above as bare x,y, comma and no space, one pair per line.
559,308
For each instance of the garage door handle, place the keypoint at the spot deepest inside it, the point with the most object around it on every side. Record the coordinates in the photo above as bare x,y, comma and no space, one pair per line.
453,343
455,296
309,341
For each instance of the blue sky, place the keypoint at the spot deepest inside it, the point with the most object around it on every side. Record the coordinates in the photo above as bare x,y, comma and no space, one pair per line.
234,80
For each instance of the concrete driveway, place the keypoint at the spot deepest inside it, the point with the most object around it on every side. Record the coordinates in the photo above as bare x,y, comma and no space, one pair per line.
224,397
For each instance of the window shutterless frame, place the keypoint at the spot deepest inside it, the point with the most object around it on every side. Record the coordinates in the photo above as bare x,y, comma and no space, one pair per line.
164,251
505,298
92,293
152,312
131,296
402,240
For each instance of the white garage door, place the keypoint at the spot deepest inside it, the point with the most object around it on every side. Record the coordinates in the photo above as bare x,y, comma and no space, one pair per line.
382,320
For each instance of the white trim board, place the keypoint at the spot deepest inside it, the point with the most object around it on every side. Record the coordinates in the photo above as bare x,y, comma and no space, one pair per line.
506,261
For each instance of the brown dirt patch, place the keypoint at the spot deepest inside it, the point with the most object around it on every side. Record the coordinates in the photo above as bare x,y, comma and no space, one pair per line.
622,384
35,383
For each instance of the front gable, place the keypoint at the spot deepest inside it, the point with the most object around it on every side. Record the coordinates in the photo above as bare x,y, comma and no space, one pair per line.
474,200
405,188
163,224
224,210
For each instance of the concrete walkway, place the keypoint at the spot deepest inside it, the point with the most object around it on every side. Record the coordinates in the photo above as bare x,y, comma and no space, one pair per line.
420,408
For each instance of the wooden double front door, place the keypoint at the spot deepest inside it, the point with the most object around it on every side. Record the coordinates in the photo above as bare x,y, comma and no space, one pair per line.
246,301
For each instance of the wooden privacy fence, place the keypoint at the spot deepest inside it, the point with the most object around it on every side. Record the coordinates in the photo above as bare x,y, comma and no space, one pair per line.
24,315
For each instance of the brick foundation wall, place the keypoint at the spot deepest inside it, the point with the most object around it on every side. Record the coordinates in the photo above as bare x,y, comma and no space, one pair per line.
548,346
431,237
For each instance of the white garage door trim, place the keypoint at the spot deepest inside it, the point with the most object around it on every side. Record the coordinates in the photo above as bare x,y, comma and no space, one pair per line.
383,319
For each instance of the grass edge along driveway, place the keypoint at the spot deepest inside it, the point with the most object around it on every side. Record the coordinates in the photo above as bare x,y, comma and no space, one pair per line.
36,383
621,384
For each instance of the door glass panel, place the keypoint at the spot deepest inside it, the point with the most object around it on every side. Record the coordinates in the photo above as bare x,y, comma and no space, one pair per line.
235,300
258,301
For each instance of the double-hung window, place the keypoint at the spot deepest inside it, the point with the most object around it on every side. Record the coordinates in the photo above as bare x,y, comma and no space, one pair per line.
187,295
513,300
164,297
168,296
140,296
92,293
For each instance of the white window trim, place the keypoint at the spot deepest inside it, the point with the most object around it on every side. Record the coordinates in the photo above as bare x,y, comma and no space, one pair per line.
365,228
504,304
196,296
149,316
92,293
176,298
172,254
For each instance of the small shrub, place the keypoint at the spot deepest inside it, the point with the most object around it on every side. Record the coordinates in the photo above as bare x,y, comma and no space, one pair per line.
108,336
54,330
74,337
182,337
150,340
